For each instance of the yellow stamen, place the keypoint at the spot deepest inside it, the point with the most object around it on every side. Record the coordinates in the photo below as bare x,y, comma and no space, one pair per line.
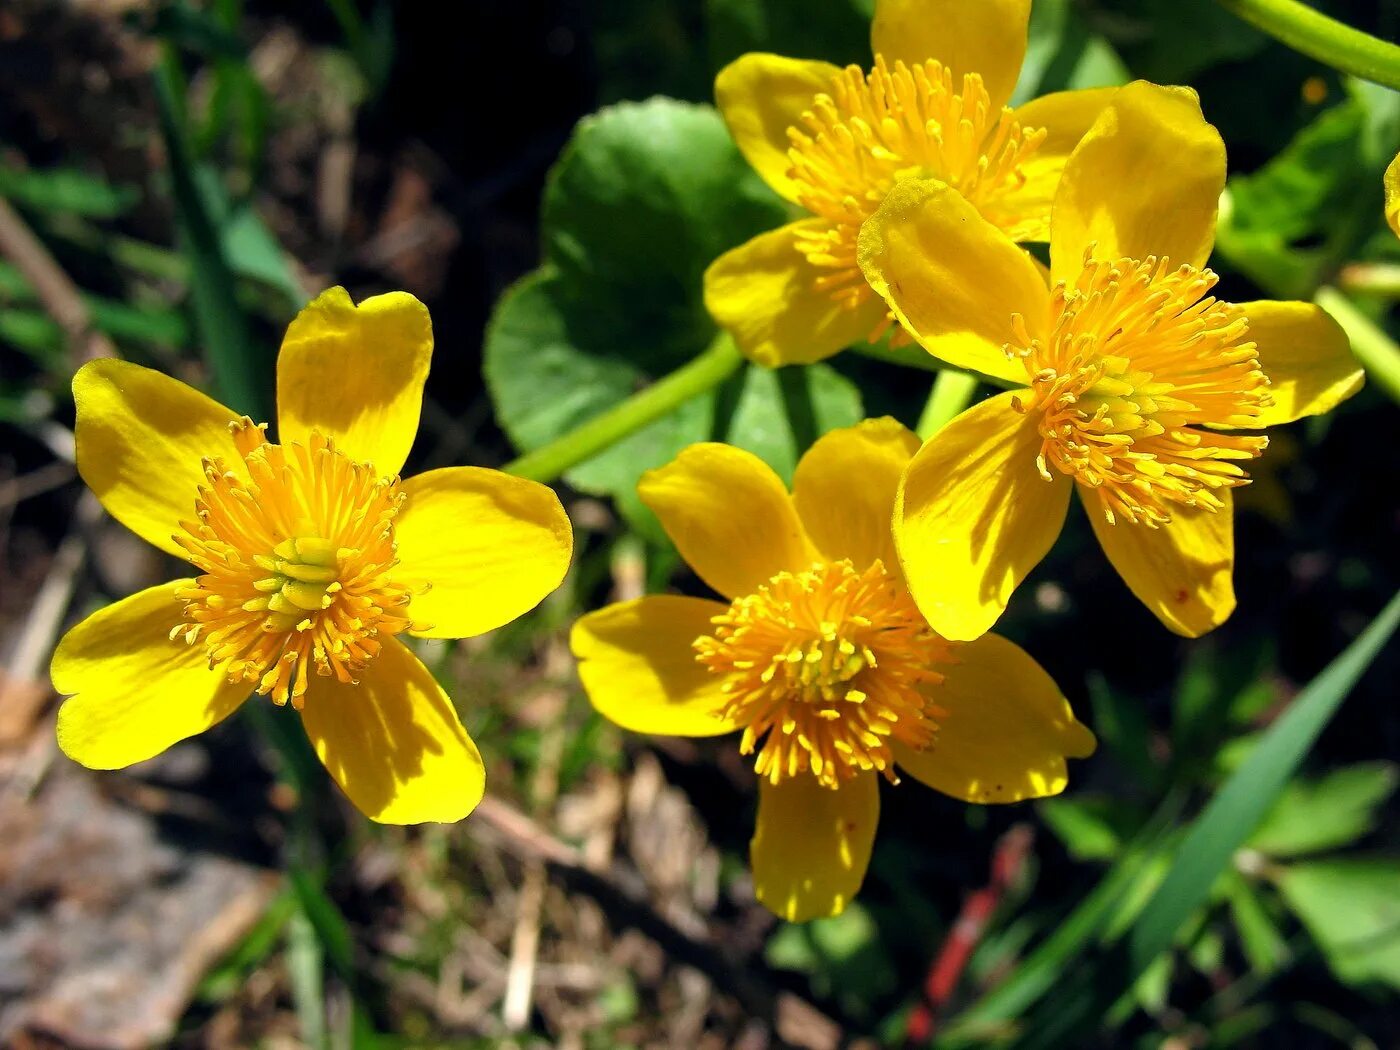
827,667
1140,365
872,130
297,551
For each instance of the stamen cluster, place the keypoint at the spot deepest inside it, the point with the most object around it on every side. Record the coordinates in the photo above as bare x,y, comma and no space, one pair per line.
827,667
1139,366
297,553
872,130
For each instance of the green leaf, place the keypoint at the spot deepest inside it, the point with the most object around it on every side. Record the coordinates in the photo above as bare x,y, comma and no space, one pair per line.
643,199
68,190
1352,909
1281,220
1317,815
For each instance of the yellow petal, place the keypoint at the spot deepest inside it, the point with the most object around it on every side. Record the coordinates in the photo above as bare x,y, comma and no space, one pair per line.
135,692
638,668
1145,180
1306,356
845,487
952,278
394,743
974,516
729,515
764,294
1007,731
1392,195
141,436
1065,116
488,546
983,36
356,374
760,96
1182,571
811,845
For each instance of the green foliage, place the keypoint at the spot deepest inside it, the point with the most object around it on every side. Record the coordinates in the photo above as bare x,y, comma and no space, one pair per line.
1352,909
1312,816
845,956
644,197
66,190
837,31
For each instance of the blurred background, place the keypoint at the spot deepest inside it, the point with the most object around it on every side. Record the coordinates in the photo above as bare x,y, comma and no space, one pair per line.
176,179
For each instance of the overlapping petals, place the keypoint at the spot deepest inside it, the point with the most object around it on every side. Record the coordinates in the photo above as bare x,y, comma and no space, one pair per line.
954,281
765,293
1145,181
1003,729
974,517
1134,375
836,141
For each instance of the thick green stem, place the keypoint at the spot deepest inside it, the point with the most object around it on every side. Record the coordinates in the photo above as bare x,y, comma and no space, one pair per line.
952,392
1377,352
1323,38
546,463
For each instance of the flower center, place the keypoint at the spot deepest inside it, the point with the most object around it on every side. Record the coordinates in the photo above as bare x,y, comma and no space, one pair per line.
872,130
1138,360
827,667
296,551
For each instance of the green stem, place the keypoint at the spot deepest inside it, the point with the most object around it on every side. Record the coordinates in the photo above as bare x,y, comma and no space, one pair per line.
952,392
1377,352
1325,39
546,463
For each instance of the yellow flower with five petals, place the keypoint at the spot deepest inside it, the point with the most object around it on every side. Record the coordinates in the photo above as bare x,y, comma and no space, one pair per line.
312,558
820,660
834,141
1135,386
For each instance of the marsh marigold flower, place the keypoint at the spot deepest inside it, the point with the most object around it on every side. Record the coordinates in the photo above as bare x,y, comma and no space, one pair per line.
312,559
1134,385
819,659
835,141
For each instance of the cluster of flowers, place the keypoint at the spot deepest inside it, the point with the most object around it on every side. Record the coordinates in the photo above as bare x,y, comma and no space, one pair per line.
851,642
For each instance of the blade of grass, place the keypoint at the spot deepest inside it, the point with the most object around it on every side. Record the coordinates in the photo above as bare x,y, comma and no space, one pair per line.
241,368
1039,971
1208,846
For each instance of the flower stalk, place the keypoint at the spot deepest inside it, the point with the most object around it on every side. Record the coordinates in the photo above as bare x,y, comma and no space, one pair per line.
545,464
1325,39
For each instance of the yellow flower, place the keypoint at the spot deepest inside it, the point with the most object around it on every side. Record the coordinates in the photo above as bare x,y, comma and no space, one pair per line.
834,141
1132,375
312,556
1392,195
820,660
